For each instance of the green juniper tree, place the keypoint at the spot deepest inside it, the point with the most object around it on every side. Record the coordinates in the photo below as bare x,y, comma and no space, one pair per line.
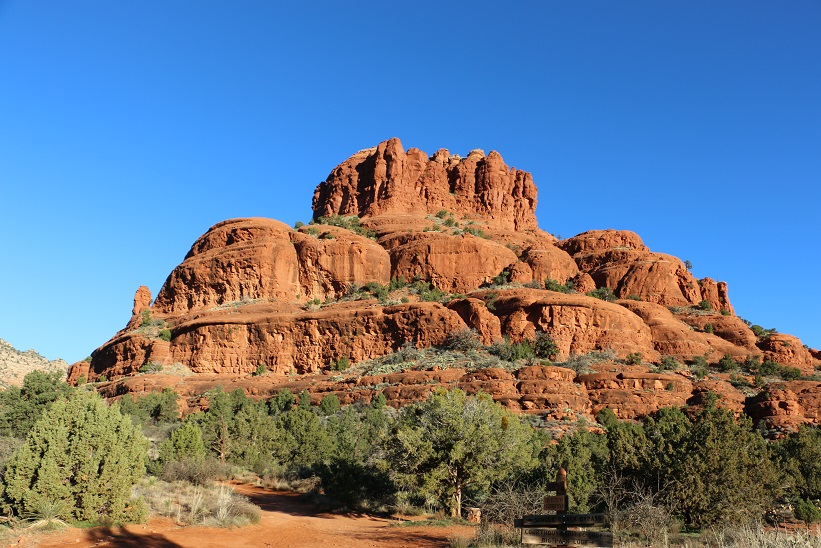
81,455
451,444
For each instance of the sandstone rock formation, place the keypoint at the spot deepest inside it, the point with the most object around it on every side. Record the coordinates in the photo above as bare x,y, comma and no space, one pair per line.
462,234
619,260
387,179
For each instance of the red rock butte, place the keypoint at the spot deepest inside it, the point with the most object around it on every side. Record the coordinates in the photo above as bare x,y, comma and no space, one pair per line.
257,294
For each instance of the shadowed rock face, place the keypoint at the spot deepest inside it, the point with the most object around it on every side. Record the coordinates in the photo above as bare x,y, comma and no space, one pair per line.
256,292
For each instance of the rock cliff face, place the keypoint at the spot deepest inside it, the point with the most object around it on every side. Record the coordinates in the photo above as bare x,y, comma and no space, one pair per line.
256,294
387,179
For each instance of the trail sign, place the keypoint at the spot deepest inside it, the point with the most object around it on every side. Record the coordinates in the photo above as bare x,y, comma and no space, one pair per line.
558,487
557,503
533,526
603,539
557,520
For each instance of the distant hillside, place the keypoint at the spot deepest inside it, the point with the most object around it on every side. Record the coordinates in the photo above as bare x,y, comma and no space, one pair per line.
16,364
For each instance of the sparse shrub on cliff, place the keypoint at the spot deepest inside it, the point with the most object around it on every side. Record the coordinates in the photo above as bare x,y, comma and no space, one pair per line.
699,367
790,373
261,369
708,328
165,334
505,350
762,333
350,222
490,300
145,317
464,340
603,293
151,367
478,232
501,278
342,364
397,283
426,292
554,285
727,364
769,368
407,353
377,290
668,363
705,305
298,225
544,347
633,358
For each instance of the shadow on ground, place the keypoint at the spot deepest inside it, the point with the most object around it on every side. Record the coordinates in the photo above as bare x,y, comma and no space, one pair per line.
117,536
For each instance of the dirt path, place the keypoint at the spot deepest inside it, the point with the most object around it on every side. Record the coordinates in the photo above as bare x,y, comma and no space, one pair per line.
286,521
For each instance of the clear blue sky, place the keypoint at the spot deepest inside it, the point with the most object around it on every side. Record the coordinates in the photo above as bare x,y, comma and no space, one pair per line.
127,129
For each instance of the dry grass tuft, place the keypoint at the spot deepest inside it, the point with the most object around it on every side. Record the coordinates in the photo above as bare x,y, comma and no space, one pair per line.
216,505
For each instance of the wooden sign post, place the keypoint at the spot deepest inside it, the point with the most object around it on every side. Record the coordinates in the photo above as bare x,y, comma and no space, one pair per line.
553,529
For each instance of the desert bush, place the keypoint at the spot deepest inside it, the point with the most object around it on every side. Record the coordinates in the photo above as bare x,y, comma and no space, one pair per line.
554,285
329,405
21,407
501,278
603,293
350,222
426,292
81,452
544,347
727,364
807,511
465,339
668,363
194,471
406,354
699,367
790,373
633,358
705,305
342,364
478,232
505,350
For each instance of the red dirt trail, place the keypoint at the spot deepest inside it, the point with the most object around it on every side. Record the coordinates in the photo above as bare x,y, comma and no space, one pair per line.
285,521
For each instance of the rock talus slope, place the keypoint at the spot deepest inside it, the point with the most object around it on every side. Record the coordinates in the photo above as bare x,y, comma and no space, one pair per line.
255,293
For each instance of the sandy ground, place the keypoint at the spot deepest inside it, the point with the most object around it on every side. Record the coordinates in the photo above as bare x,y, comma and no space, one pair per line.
286,521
